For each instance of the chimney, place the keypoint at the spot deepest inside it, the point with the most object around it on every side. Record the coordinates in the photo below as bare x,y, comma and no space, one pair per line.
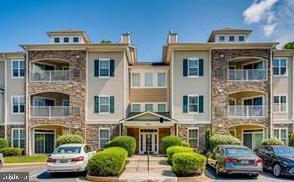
125,38
172,37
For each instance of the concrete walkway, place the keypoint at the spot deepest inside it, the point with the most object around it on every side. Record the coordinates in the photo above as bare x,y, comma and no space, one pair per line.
137,170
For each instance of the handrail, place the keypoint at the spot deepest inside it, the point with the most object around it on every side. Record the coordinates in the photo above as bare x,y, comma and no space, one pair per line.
247,74
49,75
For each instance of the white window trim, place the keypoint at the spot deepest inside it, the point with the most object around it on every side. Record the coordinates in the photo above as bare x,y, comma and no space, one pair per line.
45,130
165,78
155,106
280,95
153,84
132,107
139,80
165,107
279,58
17,96
188,72
104,59
188,104
102,113
109,134
287,137
188,137
154,79
12,136
18,62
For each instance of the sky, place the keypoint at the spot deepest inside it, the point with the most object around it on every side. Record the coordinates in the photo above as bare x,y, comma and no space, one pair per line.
148,21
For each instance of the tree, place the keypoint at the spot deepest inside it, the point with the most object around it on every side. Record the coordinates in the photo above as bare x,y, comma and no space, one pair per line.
106,42
289,45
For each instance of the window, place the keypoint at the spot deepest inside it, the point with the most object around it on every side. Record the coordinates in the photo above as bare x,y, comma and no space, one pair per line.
17,104
161,80
193,67
66,39
104,68
148,79
76,39
221,38
193,103
231,38
241,38
104,104
18,138
280,67
280,103
161,108
136,108
193,137
56,39
281,134
135,79
18,69
104,137
148,107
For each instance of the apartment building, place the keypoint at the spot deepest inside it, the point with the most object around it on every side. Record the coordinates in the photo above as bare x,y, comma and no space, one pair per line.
229,84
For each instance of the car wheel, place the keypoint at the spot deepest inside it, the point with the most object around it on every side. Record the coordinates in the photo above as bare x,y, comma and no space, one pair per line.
277,170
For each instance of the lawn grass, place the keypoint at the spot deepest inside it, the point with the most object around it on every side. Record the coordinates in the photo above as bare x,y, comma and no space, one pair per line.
25,159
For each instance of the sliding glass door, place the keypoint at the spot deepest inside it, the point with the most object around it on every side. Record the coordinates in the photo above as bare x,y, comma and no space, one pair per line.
44,141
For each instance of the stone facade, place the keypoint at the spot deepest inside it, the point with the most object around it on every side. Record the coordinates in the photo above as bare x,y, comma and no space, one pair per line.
2,131
221,88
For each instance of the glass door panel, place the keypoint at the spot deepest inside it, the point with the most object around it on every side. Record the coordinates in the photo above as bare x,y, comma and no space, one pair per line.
257,138
247,140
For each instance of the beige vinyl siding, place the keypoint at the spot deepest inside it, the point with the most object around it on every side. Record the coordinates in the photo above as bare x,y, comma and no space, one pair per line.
148,95
182,86
111,86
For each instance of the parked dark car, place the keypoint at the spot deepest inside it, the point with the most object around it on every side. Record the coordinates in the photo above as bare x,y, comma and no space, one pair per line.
235,159
278,159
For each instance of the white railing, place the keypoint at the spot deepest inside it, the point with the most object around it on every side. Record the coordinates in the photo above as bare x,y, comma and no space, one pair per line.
49,111
247,111
50,76
246,74
280,107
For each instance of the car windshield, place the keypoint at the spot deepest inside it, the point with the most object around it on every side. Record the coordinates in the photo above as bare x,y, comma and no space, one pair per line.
284,150
68,150
238,151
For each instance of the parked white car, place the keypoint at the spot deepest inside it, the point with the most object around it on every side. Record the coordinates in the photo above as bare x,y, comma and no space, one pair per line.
69,158
1,160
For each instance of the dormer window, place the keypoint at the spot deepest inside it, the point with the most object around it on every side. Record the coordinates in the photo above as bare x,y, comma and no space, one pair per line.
66,39
221,38
76,39
241,38
56,40
231,38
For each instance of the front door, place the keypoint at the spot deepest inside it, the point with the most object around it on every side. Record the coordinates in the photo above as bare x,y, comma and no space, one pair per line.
252,139
148,141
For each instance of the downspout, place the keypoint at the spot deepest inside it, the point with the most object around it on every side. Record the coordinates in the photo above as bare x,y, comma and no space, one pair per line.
271,93
5,98
27,109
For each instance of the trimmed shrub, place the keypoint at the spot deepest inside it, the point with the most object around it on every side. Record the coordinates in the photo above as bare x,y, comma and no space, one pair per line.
126,142
176,149
272,141
217,139
188,163
109,162
70,138
291,140
170,141
185,144
10,151
3,143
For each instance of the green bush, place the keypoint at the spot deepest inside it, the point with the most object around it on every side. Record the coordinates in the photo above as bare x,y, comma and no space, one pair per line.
217,139
170,141
70,138
176,149
272,141
291,140
10,151
289,45
109,162
3,143
126,142
188,163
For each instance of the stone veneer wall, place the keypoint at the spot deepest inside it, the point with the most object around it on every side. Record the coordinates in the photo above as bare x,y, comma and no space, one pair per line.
75,88
92,132
2,131
221,88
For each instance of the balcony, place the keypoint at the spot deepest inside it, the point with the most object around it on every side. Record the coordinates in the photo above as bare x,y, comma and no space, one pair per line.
49,111
50,76
247,111
247,74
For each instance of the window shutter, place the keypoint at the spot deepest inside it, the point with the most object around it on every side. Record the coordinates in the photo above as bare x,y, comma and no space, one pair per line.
112,68
201,100
111,104
185,104
185,67
96,67
201,70
96,104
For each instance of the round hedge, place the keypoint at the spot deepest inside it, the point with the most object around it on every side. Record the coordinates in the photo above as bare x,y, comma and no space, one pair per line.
272,141
170,141
10,151
126,142
217,139
176,149
109,162
188,163
67,139
3,143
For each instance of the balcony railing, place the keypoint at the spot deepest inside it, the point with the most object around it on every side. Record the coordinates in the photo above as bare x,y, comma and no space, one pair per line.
50,76
49,111
247,74
247,111
280,107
